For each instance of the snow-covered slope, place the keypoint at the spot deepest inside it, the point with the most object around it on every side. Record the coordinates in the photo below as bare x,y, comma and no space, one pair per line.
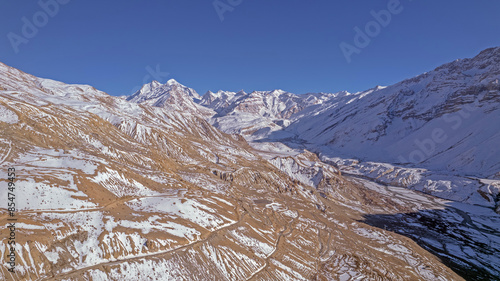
447,119
259,113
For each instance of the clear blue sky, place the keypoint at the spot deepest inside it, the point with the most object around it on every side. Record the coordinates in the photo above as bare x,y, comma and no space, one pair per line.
260,45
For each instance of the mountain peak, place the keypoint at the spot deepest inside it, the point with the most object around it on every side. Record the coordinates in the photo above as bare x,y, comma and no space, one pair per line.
278,91
172,82
171,94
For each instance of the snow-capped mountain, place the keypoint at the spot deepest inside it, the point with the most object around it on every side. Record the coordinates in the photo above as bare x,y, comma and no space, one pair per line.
220,100
171,95
258,113
145,188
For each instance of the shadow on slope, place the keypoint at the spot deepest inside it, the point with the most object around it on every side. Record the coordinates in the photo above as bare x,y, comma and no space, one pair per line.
461,239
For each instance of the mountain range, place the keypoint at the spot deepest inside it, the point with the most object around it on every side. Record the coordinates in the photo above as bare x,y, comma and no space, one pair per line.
393,183
439,131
